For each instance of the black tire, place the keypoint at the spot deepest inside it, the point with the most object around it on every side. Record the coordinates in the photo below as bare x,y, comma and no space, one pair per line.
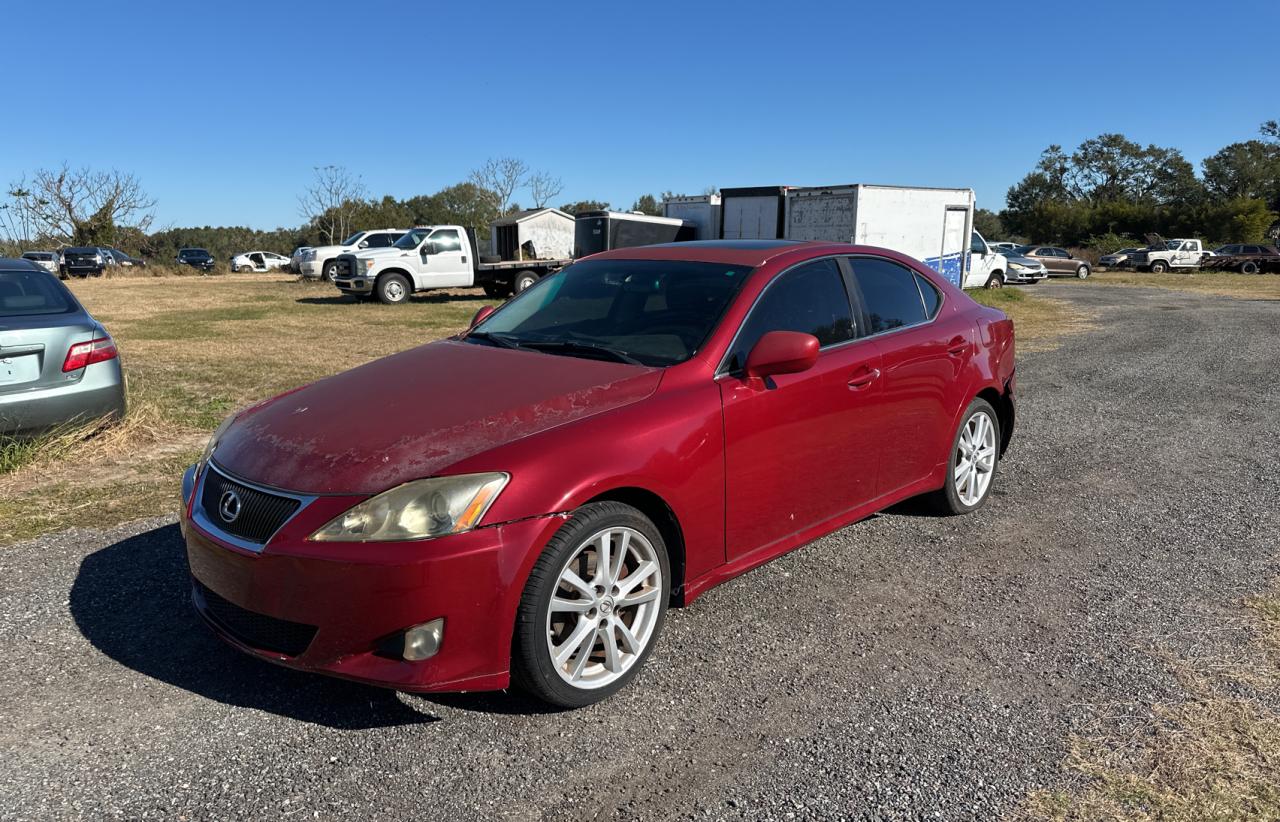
532,669
524,280
496,291
1159,267
392,289
1082,272
1249,267
328,271
490,258
996,280
946,501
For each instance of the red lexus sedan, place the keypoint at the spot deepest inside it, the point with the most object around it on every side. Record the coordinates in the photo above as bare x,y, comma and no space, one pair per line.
523,502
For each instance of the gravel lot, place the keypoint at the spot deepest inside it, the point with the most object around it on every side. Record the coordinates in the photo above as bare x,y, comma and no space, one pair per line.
906,667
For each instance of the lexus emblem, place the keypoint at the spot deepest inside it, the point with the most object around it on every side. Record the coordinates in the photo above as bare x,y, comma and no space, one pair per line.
229,506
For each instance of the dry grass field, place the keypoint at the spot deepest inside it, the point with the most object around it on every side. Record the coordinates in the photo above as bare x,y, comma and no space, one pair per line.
1224,283
194,350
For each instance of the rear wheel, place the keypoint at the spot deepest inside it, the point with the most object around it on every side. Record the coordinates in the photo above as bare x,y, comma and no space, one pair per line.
971,468
1159,267
496,291
524,280
392,289
1250,267
1083,272
593,607
996,280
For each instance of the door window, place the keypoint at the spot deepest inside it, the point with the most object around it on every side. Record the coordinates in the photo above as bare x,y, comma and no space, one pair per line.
810,299
890,295
446,239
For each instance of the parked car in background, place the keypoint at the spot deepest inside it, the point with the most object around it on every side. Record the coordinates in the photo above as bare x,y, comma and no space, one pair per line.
259,261
48,260
321,262
83,261
1003,246
1117,259
1058,261
196,258
120,258
57,363
1245,258
295,259
1161,255
621,437
1022,270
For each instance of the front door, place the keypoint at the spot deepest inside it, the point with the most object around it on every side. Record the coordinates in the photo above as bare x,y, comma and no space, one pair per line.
445,261
799,448
982,262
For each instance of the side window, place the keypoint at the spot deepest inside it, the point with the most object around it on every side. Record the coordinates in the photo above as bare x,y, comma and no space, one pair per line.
810,299
932,299
976,245
889,294
379,240
446,239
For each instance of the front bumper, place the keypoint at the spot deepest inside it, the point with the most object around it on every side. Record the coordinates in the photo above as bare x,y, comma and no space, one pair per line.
310,269
354,285
358,595
98,393
1012,276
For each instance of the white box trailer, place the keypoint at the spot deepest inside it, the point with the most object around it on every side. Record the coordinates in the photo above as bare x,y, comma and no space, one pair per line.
934,225
702,210
754,213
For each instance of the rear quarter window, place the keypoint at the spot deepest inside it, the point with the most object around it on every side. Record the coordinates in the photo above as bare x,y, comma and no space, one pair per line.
890,295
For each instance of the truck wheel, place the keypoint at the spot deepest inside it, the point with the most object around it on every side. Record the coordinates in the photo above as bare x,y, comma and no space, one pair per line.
392,289
1083,272
329,271
1159,267
496,291
525,279
996,280
1250,267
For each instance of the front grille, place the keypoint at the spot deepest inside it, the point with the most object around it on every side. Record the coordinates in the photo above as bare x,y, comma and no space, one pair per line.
260,514
250,628
343,268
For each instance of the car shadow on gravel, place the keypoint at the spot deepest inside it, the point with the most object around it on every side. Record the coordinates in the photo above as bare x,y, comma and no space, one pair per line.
132,601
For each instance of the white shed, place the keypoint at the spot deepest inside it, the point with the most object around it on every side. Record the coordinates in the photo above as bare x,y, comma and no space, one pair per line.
536,234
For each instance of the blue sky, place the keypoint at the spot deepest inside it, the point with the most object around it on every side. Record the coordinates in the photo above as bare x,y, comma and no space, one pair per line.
223,109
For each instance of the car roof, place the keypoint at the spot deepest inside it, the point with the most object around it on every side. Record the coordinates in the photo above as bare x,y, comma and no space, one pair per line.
732,252
18,264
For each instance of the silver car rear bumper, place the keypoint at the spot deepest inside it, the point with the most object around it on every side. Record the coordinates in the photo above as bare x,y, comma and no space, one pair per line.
99,393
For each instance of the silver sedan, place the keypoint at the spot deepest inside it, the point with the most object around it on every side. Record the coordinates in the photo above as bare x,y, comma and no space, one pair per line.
58,365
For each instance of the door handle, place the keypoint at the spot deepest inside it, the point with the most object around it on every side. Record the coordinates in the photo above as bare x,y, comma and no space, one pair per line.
863,379
957,346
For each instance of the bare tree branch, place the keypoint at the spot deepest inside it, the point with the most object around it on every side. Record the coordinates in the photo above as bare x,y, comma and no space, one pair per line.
77,205
501,177
544,188
330,202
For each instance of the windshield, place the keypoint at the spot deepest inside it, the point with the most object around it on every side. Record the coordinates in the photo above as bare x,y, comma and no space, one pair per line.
354,238
413,239
194,252
23,293
654,312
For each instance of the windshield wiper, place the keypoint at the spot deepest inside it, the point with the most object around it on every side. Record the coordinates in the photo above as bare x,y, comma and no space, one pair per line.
582,348
500,340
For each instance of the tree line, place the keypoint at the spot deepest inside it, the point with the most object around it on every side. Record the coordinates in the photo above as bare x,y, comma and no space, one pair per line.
65,206
1110,191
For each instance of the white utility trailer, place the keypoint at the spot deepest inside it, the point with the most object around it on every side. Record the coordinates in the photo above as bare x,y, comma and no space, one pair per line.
754,213
934,225
703,210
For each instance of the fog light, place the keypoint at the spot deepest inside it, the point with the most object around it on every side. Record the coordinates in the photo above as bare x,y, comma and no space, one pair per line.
423,641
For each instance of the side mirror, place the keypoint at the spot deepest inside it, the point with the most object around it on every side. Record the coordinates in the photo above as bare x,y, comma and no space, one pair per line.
782,352
482,315
363,244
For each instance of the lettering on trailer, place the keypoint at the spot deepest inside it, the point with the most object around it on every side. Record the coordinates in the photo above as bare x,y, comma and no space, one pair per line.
951,266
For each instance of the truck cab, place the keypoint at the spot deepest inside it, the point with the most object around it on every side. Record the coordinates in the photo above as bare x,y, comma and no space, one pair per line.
987,266
1162,255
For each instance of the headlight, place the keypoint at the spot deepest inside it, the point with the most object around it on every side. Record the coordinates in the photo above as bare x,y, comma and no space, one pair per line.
1017,266
213,442
421,509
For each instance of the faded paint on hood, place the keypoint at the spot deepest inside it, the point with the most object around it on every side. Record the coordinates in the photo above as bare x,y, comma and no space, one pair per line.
413,414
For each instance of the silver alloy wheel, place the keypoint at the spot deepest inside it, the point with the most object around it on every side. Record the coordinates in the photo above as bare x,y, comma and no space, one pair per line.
394,291
604,607
1082,272
975,459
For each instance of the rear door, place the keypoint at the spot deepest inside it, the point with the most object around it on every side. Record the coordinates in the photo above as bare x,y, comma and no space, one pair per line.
802,448
923,357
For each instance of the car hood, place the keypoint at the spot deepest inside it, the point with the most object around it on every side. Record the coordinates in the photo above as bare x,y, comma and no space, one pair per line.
1020,260
414,414
379,253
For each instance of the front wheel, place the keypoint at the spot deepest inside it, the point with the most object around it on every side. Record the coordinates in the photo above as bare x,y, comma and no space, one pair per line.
975,451
996,280
1159,267
593,607
329,272
1083,272
1250,267
392,289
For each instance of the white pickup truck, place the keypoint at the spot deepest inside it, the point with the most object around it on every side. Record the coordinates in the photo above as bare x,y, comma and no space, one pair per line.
439,256
1162,255
320,262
